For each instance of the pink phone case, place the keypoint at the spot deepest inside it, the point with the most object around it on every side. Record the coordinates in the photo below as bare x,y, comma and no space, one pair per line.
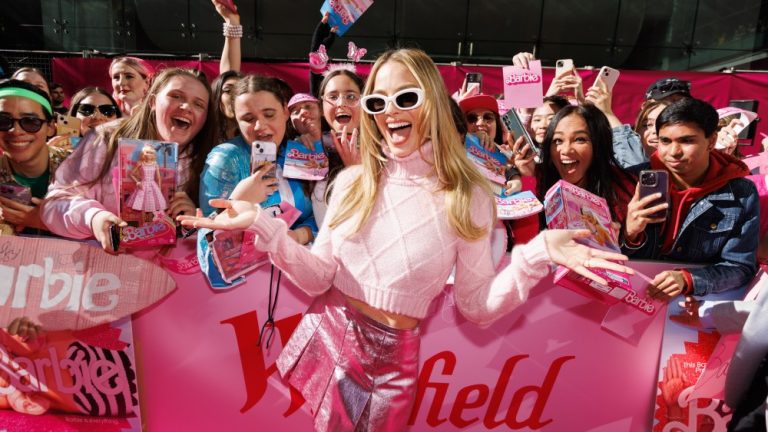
608,76
229,4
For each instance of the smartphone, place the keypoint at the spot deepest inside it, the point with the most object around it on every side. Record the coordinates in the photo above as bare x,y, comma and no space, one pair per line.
16,192
563,65
512,121
67,125
114,232
263,152
474,79
608,76
651,182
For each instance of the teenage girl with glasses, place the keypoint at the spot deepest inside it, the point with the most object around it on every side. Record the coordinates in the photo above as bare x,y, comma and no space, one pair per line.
396,226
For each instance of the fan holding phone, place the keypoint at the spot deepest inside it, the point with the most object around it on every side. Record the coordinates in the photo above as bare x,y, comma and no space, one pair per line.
713,215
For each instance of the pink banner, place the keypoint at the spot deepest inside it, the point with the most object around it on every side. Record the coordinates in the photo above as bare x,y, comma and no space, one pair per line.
628,94
66,285
548,365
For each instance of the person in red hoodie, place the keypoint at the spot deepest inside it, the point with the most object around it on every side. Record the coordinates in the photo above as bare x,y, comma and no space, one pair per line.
713,215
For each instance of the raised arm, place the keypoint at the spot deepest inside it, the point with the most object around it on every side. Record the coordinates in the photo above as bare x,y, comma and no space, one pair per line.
231,55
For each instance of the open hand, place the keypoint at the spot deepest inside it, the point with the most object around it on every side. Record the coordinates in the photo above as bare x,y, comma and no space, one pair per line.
564,250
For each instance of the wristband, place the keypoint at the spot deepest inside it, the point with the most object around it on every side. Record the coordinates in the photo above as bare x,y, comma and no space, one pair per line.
233,31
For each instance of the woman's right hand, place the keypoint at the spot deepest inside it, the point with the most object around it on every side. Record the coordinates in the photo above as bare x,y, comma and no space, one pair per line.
229,16
639,214
347,146
256,188
100,226
524,157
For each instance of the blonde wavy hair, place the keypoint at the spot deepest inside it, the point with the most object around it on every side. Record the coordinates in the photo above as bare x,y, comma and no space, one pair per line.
456,175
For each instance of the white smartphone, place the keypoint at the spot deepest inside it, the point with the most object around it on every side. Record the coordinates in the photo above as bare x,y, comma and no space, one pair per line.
263,152
563,65
608,76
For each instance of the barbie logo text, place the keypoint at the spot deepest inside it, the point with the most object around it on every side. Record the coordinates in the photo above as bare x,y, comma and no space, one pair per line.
640,303
295,154
526,77
481,155
339,9
74,288
146,231
69,376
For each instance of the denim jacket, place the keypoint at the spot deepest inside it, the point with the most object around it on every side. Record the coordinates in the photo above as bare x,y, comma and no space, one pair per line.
627,148
721,230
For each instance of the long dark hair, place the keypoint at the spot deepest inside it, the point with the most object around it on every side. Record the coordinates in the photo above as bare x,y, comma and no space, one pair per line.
217,90
142,125
605,177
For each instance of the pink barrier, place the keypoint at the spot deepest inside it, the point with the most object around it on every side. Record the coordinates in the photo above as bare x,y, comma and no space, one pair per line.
547,365
629,92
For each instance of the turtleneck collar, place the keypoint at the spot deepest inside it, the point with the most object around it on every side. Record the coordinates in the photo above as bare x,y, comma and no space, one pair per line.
417,165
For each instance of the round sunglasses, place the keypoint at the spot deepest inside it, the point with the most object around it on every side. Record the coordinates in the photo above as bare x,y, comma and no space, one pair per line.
29,124
406,99
487,117
87,110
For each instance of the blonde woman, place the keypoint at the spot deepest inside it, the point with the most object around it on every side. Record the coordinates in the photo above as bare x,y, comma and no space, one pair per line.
396,226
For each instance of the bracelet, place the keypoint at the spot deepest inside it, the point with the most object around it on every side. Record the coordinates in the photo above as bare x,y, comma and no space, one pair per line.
234,31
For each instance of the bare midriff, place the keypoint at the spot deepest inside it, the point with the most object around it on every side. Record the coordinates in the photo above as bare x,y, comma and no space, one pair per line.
387,318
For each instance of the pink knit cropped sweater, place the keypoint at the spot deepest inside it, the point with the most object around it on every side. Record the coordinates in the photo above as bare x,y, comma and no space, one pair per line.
401,258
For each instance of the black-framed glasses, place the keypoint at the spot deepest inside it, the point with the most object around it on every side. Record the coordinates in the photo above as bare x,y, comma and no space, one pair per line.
487,117
347,99
406,99
87,110
29,124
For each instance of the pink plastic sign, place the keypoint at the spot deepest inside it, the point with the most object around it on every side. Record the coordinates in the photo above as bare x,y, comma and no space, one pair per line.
523,88
65,285
70,381
545,366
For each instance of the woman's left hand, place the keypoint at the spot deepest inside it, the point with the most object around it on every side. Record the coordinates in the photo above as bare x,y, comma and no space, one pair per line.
346,146
564,250
181,204
21,215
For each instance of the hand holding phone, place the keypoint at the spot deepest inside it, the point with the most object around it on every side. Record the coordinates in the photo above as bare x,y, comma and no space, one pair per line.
263,152
651,182
562,66
513,124
473,79
607,76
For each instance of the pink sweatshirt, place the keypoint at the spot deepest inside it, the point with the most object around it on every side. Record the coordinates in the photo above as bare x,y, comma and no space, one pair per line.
70,205
400,260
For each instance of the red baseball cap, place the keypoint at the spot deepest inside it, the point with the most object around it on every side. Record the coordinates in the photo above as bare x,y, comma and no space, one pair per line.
479,101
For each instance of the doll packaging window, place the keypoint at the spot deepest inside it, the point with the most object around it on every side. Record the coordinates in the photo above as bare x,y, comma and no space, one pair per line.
490,164
147,180
569,207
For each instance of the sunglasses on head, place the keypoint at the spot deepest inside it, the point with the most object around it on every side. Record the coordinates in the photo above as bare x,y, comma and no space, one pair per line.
29,124
487,117
107,110
404,100
670,85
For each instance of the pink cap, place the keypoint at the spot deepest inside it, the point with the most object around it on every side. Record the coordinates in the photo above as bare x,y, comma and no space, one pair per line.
302,97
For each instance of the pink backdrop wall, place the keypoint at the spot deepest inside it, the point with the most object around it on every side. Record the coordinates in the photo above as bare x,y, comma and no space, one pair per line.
715,88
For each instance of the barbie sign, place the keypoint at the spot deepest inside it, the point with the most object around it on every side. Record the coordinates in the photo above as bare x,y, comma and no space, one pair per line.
68,285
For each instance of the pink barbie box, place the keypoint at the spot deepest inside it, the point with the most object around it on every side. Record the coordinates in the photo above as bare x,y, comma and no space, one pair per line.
570,207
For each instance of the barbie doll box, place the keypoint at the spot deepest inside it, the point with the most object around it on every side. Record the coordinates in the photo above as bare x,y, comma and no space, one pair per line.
570,207
146,182
490,163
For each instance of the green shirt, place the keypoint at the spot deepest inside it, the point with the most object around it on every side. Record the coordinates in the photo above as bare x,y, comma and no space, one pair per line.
38,185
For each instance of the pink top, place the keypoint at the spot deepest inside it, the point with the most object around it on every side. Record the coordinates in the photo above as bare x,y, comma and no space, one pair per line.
400,260
70,205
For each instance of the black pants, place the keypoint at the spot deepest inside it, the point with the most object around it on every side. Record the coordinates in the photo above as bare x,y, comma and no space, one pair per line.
749,416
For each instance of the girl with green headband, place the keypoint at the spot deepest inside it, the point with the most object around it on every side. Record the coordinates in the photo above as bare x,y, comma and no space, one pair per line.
27,163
